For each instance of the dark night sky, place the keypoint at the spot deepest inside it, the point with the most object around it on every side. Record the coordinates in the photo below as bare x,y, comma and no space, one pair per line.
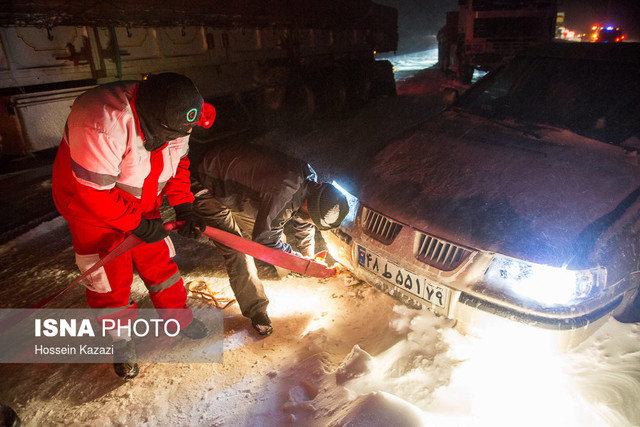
419,19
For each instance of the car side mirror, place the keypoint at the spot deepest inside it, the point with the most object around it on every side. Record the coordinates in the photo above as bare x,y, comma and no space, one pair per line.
450,95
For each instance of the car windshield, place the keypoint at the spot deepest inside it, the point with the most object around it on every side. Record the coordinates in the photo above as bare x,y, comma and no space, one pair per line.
597,99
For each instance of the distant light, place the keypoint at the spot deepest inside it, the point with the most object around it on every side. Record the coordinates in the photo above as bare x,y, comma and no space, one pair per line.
609,28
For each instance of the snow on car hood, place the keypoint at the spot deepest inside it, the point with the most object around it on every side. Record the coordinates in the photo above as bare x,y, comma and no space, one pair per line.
493,187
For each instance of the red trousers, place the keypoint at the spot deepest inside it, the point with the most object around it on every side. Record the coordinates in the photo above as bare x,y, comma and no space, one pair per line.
152,262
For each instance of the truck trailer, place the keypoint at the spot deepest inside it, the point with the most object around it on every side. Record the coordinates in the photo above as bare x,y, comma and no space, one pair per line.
265,61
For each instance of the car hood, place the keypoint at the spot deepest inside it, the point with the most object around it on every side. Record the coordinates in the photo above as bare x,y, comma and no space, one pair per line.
543,195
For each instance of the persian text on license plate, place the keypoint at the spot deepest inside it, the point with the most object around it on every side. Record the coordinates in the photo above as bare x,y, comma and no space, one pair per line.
410,282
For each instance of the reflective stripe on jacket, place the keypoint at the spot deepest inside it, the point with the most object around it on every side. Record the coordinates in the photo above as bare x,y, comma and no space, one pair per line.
103,174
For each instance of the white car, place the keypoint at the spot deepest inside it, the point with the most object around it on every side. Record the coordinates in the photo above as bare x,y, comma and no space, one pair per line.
517,205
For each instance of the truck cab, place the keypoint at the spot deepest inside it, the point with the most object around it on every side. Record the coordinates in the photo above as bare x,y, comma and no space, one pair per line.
491,31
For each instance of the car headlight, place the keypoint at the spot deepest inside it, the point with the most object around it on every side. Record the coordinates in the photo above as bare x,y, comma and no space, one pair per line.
544,284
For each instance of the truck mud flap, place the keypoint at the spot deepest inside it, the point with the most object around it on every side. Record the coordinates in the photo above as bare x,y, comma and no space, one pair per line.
383,79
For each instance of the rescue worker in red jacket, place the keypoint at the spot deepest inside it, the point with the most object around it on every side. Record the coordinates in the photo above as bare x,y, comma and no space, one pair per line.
257,190
124,148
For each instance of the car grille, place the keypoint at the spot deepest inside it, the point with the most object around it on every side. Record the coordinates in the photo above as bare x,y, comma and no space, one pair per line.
439,253
379,227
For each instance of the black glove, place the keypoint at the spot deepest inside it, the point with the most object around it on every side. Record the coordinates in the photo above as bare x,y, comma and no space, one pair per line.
150,230
192,222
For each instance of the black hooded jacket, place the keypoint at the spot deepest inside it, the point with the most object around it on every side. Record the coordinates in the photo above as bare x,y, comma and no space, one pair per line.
265,184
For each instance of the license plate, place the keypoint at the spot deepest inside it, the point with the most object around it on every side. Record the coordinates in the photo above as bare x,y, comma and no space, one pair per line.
406,280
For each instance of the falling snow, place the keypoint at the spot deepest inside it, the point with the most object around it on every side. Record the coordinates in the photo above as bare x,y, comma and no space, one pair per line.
342,352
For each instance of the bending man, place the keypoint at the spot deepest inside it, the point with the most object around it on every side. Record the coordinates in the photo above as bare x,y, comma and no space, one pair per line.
257,190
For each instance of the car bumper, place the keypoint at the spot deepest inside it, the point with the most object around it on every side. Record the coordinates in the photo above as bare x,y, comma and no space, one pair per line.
477,314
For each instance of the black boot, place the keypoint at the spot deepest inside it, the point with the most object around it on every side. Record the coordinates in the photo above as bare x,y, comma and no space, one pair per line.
8,417
196,330
262,324
125,359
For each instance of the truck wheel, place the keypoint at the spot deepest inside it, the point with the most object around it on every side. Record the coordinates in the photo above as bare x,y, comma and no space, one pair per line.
361,87
301,103
468,76
336,97
273,97
384,83
444,53
465,74
270,106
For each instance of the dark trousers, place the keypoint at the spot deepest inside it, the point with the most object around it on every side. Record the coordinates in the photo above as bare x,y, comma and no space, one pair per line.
243,275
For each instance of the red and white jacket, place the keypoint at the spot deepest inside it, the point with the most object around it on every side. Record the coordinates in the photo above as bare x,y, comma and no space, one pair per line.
103,175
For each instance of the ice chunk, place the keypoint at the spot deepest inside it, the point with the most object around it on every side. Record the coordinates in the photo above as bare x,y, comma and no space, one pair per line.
357,363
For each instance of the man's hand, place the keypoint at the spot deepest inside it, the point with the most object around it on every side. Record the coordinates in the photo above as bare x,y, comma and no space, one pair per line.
194,225
150,230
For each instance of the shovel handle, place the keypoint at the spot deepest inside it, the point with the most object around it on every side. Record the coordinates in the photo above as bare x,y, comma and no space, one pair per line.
263,253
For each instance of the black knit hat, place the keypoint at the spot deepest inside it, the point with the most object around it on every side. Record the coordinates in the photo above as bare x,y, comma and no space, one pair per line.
327,206
168,106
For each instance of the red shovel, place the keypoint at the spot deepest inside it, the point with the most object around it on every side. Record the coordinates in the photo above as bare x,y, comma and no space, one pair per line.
288,261
285,260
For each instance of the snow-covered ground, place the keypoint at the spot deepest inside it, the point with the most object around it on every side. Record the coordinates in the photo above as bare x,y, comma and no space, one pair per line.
411,61
342,353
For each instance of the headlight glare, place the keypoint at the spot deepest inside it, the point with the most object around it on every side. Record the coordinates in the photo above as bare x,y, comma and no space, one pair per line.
353,202
544,284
